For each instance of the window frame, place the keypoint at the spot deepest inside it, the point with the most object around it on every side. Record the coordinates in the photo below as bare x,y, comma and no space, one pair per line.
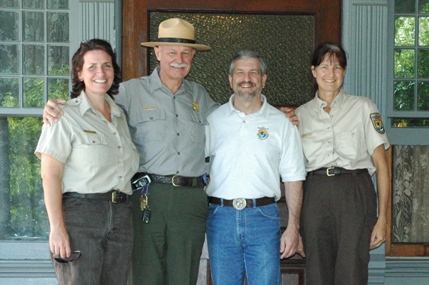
407,135
25,260
72,44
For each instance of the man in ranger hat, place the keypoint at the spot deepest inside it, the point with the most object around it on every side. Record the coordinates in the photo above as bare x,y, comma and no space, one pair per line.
167,116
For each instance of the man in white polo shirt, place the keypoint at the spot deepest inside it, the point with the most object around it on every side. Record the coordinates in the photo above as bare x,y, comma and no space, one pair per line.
251,145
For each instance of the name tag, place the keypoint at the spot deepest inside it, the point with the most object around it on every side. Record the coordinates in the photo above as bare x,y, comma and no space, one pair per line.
89,132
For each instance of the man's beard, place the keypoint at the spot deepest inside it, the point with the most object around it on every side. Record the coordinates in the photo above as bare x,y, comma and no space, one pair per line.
246,95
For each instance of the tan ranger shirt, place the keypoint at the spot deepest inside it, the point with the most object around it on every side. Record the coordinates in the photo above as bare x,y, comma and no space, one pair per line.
98,155
346,137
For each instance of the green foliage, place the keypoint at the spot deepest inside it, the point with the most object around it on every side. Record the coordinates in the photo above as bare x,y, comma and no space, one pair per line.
405,31
411,61
404,63
34,89
404,95
423,96
28,215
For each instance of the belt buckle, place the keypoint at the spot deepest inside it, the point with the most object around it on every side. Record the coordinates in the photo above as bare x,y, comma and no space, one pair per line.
239,203
172,181
117,197
114,197
330,168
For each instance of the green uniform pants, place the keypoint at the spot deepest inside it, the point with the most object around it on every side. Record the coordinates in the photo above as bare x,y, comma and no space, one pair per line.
167,250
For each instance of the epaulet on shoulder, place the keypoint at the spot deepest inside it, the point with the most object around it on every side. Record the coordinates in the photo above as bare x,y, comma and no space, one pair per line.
73,102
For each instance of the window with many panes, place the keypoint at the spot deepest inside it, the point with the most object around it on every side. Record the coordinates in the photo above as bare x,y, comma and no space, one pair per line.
410,102
34,57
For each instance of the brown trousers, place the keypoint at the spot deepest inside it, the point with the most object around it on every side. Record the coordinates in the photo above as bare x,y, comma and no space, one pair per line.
338,216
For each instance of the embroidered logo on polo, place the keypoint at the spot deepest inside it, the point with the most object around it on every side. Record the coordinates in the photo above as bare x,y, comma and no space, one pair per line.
377,123
262,133
195,106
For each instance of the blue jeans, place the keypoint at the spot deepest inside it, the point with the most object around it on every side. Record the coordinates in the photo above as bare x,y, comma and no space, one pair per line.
244,243
103,232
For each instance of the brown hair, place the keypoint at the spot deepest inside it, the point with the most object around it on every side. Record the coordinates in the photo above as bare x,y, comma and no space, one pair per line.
331,49
78,61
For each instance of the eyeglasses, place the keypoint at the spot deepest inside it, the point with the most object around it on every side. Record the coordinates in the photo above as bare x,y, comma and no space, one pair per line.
73,257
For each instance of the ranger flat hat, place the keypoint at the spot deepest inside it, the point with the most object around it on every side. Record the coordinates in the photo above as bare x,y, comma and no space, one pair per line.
176,32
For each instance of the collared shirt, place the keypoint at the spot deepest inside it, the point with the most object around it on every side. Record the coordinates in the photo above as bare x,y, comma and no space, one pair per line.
98,155
345,137
249,153
167,128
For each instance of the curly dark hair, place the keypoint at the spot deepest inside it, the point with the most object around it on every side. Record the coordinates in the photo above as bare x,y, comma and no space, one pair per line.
78,61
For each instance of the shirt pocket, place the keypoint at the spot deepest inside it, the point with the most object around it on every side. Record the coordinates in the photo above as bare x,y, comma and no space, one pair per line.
131,155
91,149
197,127
150,126
349,144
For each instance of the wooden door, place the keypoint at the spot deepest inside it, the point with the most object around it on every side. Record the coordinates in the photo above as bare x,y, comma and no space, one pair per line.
135,21
326,16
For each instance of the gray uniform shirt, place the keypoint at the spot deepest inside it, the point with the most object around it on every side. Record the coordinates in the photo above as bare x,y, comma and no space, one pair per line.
167,128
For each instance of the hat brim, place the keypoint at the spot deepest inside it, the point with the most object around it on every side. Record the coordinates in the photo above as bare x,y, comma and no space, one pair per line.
195,46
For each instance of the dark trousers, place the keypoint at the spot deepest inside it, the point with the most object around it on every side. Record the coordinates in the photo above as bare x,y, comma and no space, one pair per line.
168,249
338,216
103,232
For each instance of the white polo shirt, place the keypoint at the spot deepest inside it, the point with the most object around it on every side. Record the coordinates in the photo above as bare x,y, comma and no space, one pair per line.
250,153
345,137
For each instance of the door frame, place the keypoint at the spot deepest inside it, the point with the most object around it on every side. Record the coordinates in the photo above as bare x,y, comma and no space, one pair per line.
135,21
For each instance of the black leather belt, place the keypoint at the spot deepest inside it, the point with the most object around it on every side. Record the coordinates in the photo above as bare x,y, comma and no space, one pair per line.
178,180
241,203
113,196
334,171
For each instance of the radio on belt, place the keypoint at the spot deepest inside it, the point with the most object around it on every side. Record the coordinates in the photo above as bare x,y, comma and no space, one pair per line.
139,181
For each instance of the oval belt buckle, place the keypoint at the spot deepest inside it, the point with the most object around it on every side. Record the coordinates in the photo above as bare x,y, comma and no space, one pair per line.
172,181
239,203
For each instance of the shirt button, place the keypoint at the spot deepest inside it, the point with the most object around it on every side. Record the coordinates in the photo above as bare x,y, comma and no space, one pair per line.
178,134
178,153
177,115
114,134
151,118
119,146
